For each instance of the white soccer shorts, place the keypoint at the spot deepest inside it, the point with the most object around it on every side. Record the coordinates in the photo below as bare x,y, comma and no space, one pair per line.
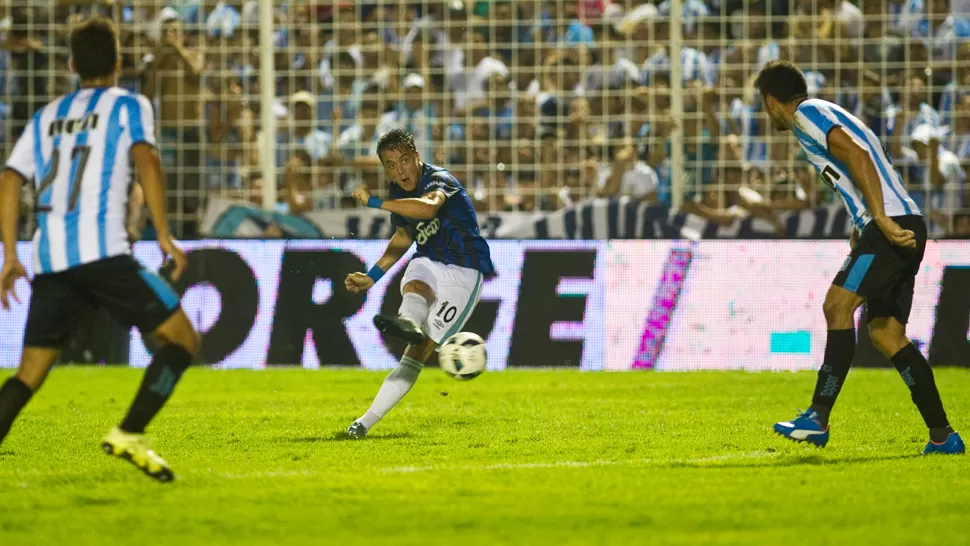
457,290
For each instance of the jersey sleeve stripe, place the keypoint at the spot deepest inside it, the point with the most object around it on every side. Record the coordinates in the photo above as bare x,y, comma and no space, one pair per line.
818,121
136,126
72,217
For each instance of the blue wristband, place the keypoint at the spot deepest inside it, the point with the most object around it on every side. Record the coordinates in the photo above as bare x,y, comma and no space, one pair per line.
374,202
375,272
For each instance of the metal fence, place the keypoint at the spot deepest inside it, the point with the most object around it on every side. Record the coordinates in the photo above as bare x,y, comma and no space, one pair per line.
534,105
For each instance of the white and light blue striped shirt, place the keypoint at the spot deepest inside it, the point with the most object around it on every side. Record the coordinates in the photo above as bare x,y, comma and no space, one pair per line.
76,150
694,66
814,119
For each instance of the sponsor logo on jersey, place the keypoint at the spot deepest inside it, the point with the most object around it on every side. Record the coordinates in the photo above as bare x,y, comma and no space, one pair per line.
425,230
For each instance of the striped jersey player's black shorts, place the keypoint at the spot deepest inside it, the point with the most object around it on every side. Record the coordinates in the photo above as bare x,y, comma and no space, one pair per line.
882,273
131,294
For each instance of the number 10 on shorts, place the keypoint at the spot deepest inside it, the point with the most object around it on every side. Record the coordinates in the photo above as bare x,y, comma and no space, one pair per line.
449,311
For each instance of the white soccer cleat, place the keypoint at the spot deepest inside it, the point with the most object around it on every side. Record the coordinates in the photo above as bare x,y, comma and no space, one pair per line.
134,449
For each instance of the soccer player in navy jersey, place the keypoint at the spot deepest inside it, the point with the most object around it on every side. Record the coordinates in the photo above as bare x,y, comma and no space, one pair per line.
887,242
78,152
443,282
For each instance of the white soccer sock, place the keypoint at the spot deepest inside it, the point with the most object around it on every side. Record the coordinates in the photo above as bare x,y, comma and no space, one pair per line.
415,308
395,386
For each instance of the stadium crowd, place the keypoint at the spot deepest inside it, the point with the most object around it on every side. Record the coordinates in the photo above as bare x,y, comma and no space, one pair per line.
533,104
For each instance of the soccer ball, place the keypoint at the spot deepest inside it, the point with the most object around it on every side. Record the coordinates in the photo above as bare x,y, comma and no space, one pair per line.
462,356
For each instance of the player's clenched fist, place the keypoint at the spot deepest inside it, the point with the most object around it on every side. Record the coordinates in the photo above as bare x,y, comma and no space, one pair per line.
358,282
361,194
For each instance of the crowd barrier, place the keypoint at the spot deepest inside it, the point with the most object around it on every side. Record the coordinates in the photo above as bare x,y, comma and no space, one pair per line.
596,219
670,305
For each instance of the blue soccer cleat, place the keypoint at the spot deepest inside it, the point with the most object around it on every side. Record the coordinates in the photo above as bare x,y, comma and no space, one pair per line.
804,428
953,445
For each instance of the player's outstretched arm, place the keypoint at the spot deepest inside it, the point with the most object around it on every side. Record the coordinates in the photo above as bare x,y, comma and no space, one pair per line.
149,168
863,171
420,208
400,242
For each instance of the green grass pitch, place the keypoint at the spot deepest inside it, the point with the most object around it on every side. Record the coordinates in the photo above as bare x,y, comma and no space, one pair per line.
525,457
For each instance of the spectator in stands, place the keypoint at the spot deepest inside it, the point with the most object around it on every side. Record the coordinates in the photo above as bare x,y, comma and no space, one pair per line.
418,116
610,65
702,131
883,48
356,150
626,176
223,114
911,111
694,65
904,15
29,79
300,148
960,85
942,30
173,76
943,178
345,39
379,62
959,140
341,98
694,12
567,29
468,85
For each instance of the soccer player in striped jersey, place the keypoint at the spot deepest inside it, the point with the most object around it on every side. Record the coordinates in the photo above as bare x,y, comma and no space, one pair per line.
76,152
888,242
442,283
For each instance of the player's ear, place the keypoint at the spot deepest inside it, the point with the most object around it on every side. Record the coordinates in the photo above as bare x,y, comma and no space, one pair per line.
70,65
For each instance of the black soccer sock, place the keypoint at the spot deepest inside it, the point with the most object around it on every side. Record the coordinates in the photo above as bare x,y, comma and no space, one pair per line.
14,395
160,378
839,350
918,376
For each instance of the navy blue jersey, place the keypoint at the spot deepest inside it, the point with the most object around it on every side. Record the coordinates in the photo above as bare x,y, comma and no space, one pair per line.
452,236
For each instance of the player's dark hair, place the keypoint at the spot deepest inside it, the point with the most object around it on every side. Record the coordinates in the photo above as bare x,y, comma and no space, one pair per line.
395,139
94,48
782,80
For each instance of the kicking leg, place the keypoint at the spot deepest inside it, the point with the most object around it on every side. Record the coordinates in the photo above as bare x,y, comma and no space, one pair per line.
35,364
415,306
395,386
812,426
889,336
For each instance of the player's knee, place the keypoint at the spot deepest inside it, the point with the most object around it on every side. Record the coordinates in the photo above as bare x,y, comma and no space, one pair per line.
886,338
179,331
837,311
35,365
421,288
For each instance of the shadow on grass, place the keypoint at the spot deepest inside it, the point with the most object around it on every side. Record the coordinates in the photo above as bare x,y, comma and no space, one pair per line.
343,437
812,459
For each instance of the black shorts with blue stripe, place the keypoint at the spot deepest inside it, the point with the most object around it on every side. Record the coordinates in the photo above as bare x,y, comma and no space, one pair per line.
882,273
131,294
